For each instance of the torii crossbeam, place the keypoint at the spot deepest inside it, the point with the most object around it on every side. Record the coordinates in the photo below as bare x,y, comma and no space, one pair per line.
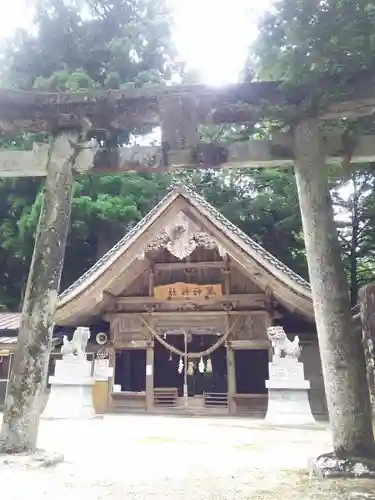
73,118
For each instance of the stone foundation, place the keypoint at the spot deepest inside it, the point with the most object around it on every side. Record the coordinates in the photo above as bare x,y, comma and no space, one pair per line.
288,400
71,390
329,466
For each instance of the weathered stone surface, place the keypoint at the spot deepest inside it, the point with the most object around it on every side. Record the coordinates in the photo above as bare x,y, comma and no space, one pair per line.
288,400
328,466
342,355
367,302
243,102
71,390
143,158
29,370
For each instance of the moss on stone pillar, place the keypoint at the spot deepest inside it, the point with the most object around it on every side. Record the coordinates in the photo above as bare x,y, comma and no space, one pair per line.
341,351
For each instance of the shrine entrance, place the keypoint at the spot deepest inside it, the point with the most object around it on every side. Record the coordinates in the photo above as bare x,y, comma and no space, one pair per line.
187,321
185,379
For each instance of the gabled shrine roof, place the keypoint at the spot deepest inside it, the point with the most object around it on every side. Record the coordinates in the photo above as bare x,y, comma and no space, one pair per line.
249,254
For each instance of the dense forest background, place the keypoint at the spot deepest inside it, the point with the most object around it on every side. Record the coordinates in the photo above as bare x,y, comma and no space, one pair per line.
89,44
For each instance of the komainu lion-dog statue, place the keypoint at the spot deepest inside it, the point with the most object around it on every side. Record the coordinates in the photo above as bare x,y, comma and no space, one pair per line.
281,343
77,346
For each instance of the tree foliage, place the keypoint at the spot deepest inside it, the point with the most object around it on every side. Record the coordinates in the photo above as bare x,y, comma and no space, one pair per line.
301,41
92,43
353,201
75,46
261,202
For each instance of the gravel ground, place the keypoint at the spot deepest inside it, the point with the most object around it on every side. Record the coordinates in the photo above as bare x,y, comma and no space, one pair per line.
146,457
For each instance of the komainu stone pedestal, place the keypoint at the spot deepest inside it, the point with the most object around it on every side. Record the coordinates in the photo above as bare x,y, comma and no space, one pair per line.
71,390
71,385
288,399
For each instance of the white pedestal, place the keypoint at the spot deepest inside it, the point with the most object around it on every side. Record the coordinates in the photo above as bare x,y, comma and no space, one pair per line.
71,390
288,400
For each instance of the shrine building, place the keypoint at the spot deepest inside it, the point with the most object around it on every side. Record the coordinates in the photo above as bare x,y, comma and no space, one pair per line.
184,300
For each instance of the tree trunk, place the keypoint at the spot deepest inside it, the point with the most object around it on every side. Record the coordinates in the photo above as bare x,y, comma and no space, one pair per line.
29,370
367,302
341,351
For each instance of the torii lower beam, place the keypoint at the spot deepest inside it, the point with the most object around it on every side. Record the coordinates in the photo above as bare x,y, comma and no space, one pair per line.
277,152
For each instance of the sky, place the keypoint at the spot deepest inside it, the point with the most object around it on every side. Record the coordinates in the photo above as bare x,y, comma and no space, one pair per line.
211,36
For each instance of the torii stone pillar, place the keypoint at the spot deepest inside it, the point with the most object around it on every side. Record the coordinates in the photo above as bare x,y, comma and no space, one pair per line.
341,351
367,301
29,369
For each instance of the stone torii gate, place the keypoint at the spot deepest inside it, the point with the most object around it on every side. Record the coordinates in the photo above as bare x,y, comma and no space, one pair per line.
73,118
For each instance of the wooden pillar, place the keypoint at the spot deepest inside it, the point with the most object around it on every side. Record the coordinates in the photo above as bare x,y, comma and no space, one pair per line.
231,377
268,323
112,364
231,370
151,278
150,377
149,364
367,302
29,369
227,275
111,381
341,352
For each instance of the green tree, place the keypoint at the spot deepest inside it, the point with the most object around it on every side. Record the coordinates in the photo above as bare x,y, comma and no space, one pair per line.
299,42
353,199
263,204
95,42
76,46
16,200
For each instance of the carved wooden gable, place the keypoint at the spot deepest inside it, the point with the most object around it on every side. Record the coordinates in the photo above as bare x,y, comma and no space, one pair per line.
181,237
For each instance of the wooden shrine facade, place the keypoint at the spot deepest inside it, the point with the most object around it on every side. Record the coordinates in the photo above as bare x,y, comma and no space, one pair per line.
185,299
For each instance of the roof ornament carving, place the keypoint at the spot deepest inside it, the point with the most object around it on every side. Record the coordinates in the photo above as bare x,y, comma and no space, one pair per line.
181,237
